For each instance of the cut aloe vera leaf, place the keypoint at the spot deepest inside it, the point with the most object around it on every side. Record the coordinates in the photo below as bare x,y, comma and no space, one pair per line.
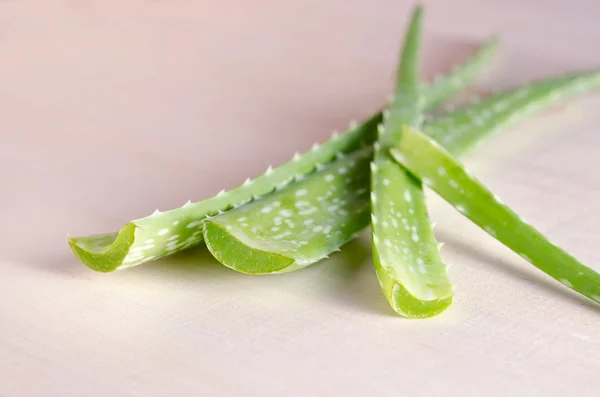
225,237
446,86
441,171
405,253
297,226
326,209
475,134
474,124
456,130
460,132
164,233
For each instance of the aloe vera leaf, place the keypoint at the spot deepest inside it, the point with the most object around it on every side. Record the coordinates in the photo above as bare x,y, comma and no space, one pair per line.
460,132
256,239
456,131
441,171
405,253
297,226
446,86
164,233
473,133
224,236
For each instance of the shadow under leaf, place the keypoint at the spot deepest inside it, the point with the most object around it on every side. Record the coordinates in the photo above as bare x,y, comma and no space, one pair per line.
355,282
502,266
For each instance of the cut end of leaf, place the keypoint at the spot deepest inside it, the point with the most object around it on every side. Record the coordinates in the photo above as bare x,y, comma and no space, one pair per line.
104,253
228,248
406,303
409,306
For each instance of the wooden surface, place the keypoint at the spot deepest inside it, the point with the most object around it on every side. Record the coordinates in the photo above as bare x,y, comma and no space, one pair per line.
109,110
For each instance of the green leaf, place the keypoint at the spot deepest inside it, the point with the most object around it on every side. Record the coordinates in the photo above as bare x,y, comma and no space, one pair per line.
405,253
408,72
473,135
326,210
457,130
297,226
164,233
445,87
460,132
441,171
242,253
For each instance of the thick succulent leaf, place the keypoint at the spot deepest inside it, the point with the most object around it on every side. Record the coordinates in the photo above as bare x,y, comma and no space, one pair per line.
441,171
408,72
407,103
297,226
456,130
139,241
405,253
424,261
446,86
164,233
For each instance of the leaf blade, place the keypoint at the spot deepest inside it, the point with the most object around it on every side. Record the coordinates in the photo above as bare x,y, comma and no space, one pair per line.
441,171
462,130
164,233
405,253
297,226
446,86
104,253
